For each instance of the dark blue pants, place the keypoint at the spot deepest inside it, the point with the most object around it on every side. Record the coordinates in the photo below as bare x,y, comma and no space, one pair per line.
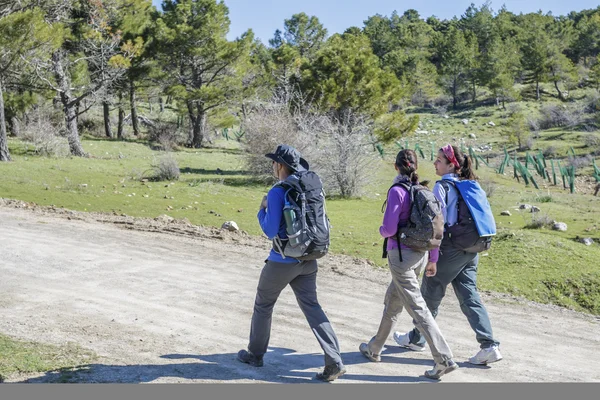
459,269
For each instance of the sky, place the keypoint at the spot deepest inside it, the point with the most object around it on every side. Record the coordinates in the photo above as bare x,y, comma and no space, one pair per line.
265,16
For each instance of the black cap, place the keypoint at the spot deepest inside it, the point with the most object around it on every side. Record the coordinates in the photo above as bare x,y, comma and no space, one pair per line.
289,156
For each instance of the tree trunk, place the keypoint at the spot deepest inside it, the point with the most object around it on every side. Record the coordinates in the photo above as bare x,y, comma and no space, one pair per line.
121,117
150,104
4,154
132,105
161,104
560,94
454,100
69,106
107,127
537,89
15,126
474,92
199,128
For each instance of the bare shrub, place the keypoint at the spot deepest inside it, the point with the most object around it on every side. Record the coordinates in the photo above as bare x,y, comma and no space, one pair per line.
44,135
344,157
489,186
166,169
441,101
91,126
560,116
266,126
579,162
592,102
533,124
339,149
529,143
539,221
166,135
441,109
591,140
550,151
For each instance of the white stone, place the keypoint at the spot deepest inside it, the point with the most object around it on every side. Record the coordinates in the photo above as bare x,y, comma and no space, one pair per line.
230,226
560,226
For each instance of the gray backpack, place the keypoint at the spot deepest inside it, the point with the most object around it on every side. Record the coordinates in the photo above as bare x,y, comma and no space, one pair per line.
425,228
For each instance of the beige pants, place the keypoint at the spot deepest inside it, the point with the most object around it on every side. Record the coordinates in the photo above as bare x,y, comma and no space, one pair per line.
403,292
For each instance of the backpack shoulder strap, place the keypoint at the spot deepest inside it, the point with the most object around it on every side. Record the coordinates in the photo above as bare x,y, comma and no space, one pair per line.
405,185
446,183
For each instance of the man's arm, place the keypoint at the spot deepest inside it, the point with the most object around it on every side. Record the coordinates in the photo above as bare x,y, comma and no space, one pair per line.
270,218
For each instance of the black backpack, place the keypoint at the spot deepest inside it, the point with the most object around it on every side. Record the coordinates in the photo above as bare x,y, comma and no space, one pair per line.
425,227
307,225
464,234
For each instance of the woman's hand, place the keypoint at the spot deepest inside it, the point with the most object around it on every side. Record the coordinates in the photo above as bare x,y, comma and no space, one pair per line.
430,269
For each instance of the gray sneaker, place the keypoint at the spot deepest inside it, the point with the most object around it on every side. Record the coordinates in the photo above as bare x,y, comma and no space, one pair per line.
364,349
441,369
331,372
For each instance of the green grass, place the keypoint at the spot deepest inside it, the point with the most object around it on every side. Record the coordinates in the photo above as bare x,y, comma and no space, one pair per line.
18,356
541,266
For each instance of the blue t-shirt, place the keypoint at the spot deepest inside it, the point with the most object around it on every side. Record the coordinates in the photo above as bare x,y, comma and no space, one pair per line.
272,222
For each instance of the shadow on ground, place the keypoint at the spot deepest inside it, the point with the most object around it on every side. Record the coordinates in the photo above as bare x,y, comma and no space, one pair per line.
282,365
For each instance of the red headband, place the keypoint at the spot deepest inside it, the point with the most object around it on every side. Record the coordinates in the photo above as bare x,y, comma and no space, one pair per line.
449,153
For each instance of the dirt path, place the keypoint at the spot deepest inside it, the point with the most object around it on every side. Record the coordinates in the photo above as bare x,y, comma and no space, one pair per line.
176,307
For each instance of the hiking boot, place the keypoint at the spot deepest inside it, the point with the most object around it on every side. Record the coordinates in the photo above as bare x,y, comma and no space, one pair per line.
364,349
249,358
486,356
403,340
331,372
441,369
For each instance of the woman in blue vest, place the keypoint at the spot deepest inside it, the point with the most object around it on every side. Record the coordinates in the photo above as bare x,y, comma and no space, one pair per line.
405,266
455,266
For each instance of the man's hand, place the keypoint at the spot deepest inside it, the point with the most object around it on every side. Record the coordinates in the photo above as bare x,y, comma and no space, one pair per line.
263,204
430,269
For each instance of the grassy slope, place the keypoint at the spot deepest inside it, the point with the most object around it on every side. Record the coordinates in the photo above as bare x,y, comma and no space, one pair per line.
530,263
541,265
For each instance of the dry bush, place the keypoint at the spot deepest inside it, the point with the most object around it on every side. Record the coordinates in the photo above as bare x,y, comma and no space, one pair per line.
539,221
489,186
591,140
592,101
550,151
91,126
166,135
580,162
45,136
560,116
266,126
345,156
166,169
338,150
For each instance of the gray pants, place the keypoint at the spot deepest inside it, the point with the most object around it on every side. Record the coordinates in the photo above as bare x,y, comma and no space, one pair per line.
302,277
460,269
404,292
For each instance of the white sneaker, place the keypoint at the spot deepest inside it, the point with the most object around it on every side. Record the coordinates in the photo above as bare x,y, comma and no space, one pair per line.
441,369
403,341
486,356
